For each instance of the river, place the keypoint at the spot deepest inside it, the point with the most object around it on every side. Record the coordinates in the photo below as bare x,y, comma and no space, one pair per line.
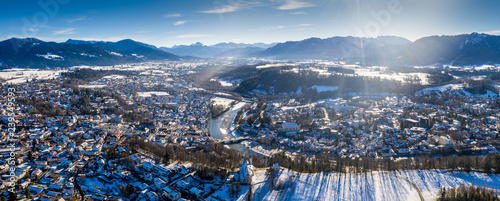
223,127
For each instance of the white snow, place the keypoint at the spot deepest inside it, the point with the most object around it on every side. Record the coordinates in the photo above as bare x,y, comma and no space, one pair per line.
370,72
116,54
369,186
443,88
114,77
320,88
222,101
138,56
460,89
92,86
275,65
19,75
87,55
222,94
150,93
488,94
225,83
51,56
223,193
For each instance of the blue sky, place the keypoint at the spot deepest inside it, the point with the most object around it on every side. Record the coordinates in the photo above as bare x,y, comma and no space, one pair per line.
169,22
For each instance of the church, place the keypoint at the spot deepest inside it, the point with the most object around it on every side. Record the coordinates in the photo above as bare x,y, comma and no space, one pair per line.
246,171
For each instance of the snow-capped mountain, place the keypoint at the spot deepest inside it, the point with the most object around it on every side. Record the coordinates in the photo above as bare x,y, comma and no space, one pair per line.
465,49
337,47
35,53
218,50
129,47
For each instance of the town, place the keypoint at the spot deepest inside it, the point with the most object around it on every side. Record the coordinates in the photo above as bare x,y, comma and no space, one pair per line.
146,131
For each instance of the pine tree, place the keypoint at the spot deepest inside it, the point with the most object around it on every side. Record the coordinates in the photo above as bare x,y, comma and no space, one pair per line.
30,156
28,193
12,196
250,193
487,165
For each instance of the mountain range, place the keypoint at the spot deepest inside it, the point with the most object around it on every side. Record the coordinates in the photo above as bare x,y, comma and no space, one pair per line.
463,49
218,50
35,53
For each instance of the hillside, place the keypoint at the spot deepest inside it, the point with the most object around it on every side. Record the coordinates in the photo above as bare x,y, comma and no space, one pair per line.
349,48
465,49
35,53
395,185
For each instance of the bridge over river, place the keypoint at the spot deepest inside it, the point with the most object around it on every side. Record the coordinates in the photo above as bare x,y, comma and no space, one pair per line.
233,140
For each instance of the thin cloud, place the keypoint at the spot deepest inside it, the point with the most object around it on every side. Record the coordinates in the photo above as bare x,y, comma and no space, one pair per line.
64,31
172,15
179,23
76,19
193,36
223,9
272,28
112,38
494,32
305,25
298,13
295,4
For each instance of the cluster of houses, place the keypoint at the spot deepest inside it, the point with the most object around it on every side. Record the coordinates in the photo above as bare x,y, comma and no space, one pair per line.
382,126
64,137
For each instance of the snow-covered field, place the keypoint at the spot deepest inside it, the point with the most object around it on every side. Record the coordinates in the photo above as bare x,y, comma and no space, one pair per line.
370,186
443,88
488,94
18,75
275,65
459,88
150,93
114,77
320,88
92,86
222,101
391,76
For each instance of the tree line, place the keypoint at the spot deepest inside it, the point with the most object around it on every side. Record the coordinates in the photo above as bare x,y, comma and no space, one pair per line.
467,193
215,155
323,163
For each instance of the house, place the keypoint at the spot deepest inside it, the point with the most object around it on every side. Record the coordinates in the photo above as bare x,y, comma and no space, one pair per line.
444,140
135,158
170,193
152,196
35,190
288,127
160,183
148,166
115,120
56,187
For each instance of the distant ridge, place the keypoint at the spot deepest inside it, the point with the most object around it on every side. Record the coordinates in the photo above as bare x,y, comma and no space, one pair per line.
218,50
464,49
35,53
